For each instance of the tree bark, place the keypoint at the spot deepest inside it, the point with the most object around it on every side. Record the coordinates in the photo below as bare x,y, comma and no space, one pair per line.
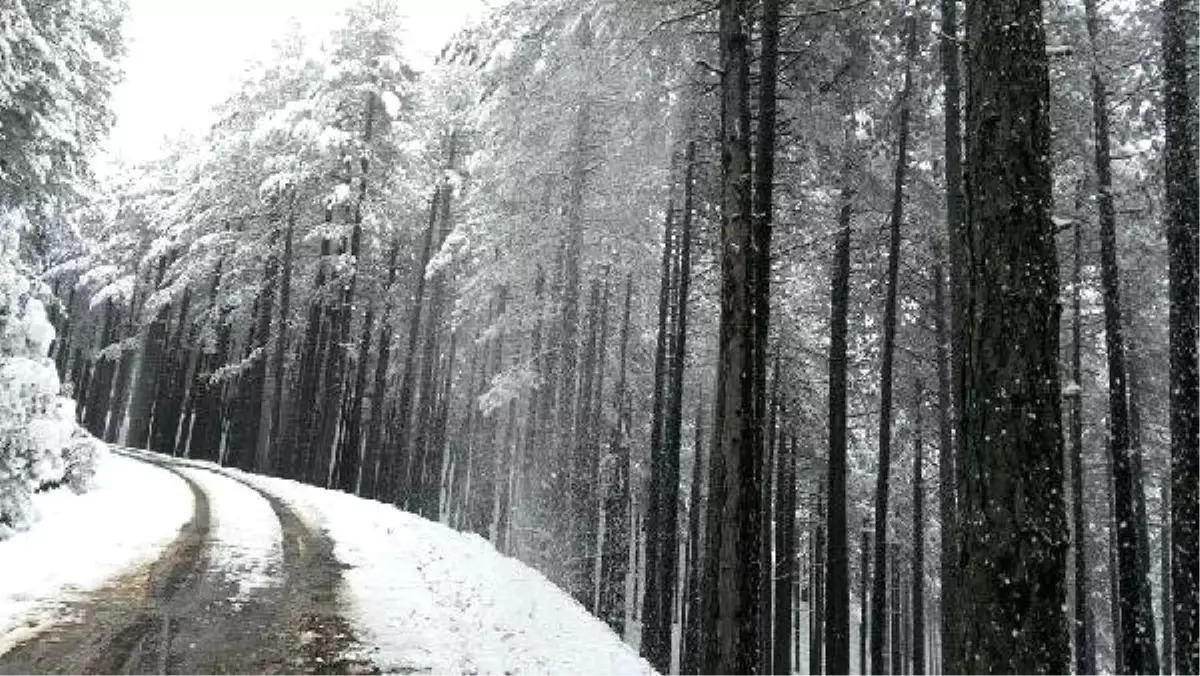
731,548
614,559
1013,535
1183,254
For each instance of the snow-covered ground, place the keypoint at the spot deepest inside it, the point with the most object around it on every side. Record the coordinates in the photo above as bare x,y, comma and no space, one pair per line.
246,539
81,541
427,598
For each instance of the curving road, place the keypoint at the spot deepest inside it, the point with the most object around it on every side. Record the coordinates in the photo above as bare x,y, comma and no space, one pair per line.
182,613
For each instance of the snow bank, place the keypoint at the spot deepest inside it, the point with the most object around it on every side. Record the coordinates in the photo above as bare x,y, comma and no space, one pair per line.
247,542
427,598
134,511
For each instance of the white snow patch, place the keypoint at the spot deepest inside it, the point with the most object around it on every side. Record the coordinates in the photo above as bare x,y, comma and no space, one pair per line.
427,598
81,541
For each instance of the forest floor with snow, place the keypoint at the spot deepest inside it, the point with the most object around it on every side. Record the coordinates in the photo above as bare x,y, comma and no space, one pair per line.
181,566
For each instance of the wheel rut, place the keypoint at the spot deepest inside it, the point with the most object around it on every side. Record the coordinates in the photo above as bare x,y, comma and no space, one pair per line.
176,614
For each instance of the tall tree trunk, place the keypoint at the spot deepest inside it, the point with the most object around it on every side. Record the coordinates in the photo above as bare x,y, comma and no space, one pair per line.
396,452
689,651
614,559
590,530
785,552
1137,620
1183,254
426,459
761,223
864,570
273,419
816,662
168,396
1168,599
1012,535
956,232
837,598
153,352
896,635
917,646
656,636
376,425
731,578
946,485
1084,653
882,485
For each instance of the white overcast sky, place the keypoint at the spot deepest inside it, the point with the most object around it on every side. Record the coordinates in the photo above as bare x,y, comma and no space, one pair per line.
184,56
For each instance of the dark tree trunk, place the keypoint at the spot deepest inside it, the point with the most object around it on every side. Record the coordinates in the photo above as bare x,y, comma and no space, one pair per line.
169,389
816,662
396,452
425,478
837,611
882,485
299,432
273,418
101,386
1013,534
689,651
1168,651
896,635
614,560
154,347
864,570
1137,620
590,529
582,482
1183,254
785,552
373,456
917,646
956,231
946,487
731,580
656,636
1084,653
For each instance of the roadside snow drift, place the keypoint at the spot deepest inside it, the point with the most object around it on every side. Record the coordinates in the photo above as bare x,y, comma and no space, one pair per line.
82,540
427,598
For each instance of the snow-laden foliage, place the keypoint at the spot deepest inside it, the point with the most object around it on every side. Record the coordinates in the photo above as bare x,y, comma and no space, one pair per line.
40,445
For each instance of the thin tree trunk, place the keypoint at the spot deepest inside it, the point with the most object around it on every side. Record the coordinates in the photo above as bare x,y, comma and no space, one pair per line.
882,486
373,452
864,570
1084,653
274,418
396,451
689,658
656,635
956,231
1137,620
946,486
917,602
615,553
785,551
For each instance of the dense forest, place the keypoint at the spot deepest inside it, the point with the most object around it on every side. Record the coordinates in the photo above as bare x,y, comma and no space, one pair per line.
835,336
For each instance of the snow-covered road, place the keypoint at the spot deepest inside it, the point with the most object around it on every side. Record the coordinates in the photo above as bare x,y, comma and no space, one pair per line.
323,566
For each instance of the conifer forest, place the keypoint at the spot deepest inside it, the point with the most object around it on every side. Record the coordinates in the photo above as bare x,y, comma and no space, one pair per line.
781,336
